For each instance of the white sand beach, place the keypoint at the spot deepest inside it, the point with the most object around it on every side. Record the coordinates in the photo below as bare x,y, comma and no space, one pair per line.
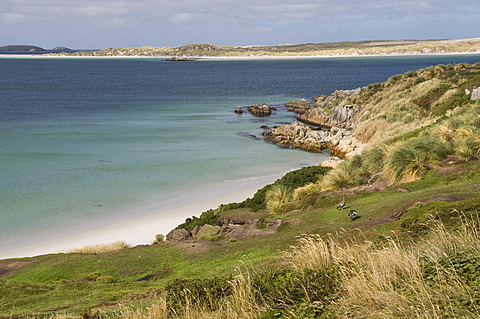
138,225
243,57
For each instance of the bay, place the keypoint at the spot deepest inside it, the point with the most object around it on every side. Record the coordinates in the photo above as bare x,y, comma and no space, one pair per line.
83,140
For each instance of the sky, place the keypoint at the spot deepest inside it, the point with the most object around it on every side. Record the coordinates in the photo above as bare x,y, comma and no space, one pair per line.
98,24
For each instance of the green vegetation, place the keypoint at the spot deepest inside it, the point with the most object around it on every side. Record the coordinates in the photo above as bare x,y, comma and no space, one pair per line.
412,252
290,181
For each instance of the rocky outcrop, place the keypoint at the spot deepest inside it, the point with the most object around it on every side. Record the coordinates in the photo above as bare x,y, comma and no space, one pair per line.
323,114
339,116
240,230
324,100
179,59
261,110
341,142
299,107
475,94
179,235
297,135
328,124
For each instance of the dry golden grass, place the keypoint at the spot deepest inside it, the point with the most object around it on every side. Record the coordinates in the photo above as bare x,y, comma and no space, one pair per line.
388,282
312,253
443,242
393,110
100,249
447,96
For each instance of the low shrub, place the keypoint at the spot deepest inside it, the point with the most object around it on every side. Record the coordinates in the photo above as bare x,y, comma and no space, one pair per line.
294,179
159,238
306,293
207,293
209,217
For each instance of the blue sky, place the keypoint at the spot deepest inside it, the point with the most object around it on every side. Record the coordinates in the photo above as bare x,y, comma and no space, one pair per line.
96,24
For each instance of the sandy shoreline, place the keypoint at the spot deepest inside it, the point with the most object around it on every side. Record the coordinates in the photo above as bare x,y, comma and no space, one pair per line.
250,57
138,225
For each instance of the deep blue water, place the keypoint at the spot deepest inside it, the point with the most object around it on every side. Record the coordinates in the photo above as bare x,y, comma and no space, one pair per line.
80,138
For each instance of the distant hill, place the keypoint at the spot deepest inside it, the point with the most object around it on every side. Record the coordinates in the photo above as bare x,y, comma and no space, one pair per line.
61,49
31,48
22,48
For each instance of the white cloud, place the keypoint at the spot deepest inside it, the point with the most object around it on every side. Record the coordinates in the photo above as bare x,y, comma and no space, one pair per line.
113,23
12,18
182,18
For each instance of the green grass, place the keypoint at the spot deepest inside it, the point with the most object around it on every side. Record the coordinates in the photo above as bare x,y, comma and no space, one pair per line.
79,281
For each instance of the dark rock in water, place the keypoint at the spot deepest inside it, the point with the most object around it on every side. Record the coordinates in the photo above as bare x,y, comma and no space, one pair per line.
265,127
179,59
179,235
238,110
246,134
261,110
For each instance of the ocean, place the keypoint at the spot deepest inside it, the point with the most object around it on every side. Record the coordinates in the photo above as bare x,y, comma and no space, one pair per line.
87,139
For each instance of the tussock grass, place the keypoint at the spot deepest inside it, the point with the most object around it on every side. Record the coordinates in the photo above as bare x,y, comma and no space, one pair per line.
374,157
341,177
404,164
301,192
99,249
277,197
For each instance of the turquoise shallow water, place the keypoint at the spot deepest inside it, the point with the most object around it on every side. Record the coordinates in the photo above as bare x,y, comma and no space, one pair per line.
83,139
65,171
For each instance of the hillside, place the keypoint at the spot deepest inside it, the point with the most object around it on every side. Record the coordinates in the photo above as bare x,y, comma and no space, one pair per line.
311,49
29,48
21,48
411,249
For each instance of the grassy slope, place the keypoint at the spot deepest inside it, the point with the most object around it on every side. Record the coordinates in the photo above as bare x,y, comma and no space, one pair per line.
78,281
137,275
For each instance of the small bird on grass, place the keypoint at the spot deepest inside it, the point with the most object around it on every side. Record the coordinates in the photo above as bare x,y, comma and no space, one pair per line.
353,214
342,204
